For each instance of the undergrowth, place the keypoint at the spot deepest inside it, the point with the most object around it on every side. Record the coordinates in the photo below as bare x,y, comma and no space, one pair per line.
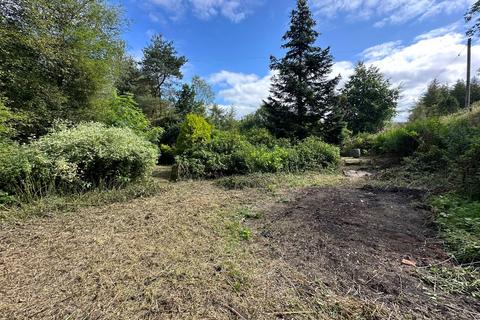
14,210
459,223
457,280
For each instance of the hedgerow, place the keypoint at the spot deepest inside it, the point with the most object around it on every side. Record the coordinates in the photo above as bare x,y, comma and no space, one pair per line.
231,153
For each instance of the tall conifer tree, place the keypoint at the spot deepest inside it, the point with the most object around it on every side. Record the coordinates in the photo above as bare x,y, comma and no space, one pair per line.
302,95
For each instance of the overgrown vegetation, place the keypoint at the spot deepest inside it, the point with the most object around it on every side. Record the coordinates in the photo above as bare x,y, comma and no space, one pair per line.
75,158
231,153
459,222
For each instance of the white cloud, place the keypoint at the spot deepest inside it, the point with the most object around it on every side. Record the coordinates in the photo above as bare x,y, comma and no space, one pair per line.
243,91
431,55
234,10
344,69
389,11
381,50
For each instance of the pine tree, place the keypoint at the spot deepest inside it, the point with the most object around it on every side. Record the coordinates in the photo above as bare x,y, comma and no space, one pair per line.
302,93
187,103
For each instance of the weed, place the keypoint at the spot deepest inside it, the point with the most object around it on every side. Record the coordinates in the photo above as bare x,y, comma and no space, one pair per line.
459,222
247,213
456,280
56,203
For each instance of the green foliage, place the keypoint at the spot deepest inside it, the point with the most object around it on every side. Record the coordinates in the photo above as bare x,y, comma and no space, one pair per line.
80,157
368,100
187,102
100,154
194,131
459,221
7,122
15,166
230,153
363,141
160,64
312,153
469,166
398,141
302,92
440,99
79,58
122,112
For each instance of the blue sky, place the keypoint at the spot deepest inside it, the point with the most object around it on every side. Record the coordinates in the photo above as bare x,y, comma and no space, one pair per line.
228,42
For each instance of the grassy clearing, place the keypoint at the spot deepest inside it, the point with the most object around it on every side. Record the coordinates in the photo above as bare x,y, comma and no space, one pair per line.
188,252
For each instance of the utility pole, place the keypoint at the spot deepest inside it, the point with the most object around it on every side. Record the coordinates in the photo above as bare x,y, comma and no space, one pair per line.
469,62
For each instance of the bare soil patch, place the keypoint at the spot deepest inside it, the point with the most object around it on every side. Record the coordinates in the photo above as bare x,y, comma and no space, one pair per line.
354,240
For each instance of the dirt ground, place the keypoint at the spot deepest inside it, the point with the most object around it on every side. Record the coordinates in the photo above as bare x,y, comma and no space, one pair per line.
354,241
195,251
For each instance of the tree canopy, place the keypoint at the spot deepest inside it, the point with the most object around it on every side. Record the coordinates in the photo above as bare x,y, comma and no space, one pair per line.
161,63
368,100
57,57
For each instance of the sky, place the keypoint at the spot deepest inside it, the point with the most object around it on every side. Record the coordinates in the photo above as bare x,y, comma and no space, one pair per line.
229,42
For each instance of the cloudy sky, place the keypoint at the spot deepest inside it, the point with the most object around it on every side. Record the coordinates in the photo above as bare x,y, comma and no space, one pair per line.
228,42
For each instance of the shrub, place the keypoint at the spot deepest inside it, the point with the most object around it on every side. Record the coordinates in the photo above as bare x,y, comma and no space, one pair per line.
15,166
313,153
362,141
469,166
194,131
80,157
91,154
398,141
7,119
230,153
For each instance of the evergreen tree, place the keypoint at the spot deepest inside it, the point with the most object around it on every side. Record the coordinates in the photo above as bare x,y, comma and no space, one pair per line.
161,63
368,100
458,91
302,93
187,102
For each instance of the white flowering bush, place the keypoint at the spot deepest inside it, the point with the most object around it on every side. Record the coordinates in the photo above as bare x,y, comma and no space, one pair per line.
84,156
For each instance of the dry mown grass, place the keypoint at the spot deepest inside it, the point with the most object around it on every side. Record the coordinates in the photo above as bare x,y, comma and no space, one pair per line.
193,250
182,254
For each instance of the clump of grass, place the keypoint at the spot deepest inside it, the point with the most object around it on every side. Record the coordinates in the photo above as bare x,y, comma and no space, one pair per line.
59,203
239,232
247,213
236,278
455,280
459,223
